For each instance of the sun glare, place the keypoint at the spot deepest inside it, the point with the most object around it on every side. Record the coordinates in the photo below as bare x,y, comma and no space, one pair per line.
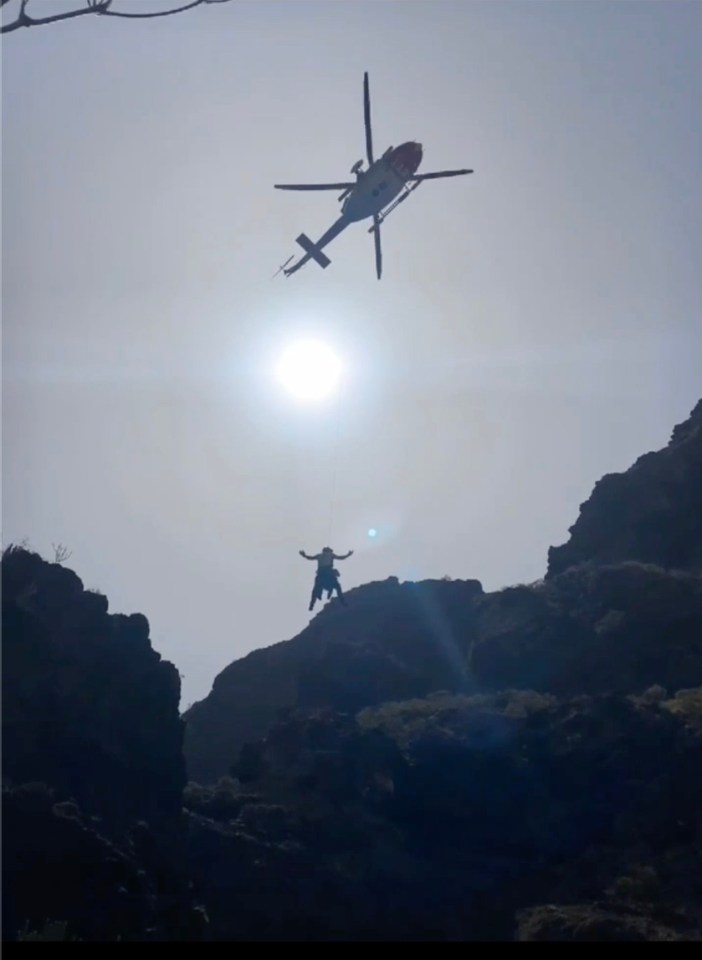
309,370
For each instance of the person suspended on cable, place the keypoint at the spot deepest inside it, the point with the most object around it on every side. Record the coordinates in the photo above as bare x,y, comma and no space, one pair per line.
327,577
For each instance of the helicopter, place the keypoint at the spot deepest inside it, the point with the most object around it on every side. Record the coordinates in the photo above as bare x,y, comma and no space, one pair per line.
376,192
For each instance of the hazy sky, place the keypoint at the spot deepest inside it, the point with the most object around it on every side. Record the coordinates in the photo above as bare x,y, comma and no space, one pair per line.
537,326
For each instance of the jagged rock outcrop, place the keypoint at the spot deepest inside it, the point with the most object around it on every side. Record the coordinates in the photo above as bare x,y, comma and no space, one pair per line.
620,610
593,629
89,707
651,513
92,764
394,640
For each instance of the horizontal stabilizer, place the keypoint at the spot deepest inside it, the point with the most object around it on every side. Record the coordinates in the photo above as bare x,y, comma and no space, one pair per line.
313,251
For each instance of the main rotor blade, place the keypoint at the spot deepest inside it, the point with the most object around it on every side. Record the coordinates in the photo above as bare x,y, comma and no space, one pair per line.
378,251
440,173
313,186
367,119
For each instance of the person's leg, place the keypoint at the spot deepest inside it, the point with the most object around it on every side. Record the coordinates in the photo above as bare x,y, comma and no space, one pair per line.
316,592
326,582
339,592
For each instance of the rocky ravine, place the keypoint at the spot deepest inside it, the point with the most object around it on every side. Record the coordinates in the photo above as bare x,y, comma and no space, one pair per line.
430,763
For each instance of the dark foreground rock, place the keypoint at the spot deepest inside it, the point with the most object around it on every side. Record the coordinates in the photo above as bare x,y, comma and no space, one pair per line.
88,706
58,866
444,818
92,763
600,923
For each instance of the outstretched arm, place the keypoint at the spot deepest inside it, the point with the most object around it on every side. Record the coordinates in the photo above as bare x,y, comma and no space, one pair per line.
344,556
306,556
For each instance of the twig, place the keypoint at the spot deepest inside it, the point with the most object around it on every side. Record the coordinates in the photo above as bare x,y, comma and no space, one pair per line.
98,7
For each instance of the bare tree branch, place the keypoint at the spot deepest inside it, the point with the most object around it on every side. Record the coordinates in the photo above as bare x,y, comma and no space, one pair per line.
163,13
23,20
98,7
61,552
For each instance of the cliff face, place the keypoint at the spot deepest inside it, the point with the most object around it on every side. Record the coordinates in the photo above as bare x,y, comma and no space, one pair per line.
652,512
92,763
88,706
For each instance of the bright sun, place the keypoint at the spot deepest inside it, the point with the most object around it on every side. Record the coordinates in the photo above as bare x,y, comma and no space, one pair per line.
309,370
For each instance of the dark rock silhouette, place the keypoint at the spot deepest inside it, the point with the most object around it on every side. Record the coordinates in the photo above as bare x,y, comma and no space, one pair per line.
58,864
430,763
651,513
594,625
393,641
90,717
593,630
447,817
605,922
88,706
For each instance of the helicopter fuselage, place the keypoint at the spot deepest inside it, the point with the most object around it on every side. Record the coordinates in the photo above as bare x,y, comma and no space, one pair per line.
382,182
376,192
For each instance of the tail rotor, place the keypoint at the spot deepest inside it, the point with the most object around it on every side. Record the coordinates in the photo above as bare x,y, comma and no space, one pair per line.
282,267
